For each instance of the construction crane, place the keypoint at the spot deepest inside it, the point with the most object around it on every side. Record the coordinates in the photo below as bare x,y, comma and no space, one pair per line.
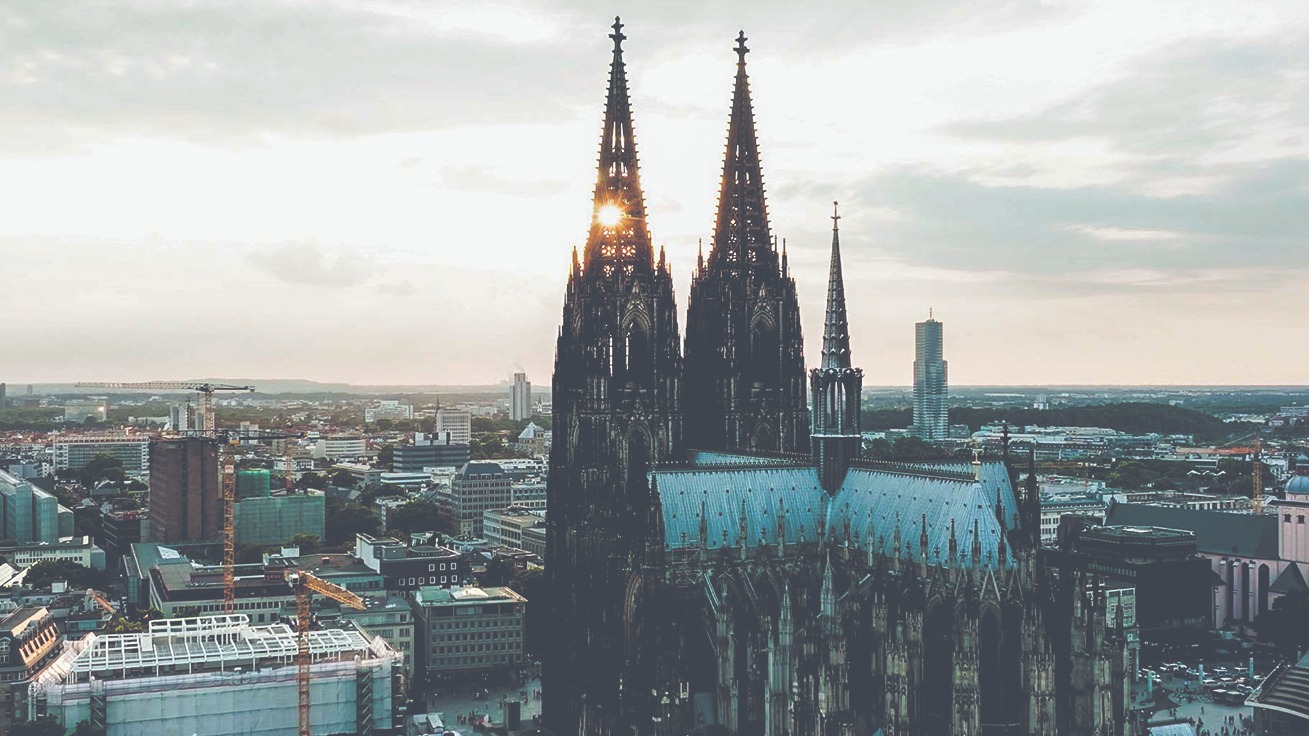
305,585
230,440
206,391
1256,451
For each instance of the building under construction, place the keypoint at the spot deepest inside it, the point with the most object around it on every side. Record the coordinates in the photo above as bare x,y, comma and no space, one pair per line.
219,675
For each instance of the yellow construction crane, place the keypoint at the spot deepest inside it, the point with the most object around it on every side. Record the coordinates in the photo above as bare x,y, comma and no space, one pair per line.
206,391
305,585
1256,451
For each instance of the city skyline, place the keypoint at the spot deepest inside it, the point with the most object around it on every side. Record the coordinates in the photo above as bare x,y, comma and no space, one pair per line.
247,204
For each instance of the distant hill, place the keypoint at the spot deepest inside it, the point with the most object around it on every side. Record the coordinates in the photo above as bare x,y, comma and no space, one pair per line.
1132,417
296,386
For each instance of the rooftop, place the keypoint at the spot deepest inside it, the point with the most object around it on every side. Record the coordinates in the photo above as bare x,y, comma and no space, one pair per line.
1216,532
469,595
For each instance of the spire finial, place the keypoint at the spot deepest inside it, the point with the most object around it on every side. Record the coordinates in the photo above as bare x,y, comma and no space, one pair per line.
618,35
741,49
835,216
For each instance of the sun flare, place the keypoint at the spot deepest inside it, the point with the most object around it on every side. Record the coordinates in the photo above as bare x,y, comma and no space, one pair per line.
609,215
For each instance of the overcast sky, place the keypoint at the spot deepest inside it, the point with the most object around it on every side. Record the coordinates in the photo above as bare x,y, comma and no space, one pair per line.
387,191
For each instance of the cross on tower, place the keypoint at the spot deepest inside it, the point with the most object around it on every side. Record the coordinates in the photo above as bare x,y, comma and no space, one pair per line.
741,49
835,216
618,35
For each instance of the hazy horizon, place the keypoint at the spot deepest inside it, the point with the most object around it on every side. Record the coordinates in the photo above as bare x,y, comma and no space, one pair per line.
387,193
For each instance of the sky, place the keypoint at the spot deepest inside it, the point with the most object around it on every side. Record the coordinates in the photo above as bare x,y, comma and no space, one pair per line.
387,191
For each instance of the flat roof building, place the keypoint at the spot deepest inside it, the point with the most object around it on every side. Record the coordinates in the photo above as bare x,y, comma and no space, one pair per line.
467,630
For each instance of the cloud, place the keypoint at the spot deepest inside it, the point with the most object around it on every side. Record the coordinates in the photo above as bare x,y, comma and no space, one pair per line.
478,179
313,264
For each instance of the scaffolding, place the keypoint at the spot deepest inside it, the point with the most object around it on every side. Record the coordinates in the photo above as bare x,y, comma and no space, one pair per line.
221,675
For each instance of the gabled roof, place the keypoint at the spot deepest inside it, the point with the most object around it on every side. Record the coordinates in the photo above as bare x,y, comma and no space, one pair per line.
1290,581
1216,532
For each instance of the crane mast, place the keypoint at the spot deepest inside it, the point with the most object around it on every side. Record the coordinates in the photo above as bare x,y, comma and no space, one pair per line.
305,585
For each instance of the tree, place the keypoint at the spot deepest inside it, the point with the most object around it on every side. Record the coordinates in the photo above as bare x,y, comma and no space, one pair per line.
385,455
414,516
308,543
45,572
102,467
499,571
44,726
342,479
313,480
1283,624
345,519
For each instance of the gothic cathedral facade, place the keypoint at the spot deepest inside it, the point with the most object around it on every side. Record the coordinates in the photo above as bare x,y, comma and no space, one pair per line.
720,560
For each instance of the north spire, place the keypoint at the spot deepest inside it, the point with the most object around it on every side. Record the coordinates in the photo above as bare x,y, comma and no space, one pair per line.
741,232
619,238
836,327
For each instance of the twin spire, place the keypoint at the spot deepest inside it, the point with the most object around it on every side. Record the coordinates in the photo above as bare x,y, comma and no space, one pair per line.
741,232
619,238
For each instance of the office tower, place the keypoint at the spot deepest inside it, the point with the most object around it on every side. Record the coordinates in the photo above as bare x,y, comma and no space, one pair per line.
520,398
458,423
3,390
186,501
931,394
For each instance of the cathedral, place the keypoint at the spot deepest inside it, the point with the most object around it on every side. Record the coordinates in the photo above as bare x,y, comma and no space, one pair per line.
719,558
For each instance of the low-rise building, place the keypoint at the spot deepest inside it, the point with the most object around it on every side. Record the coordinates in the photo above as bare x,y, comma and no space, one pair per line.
77,550
1054,507
470,630
341,447
406,567
73,453
29,642
428,451
390,617
505,527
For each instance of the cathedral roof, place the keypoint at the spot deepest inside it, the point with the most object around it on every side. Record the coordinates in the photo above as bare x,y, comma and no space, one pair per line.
713,501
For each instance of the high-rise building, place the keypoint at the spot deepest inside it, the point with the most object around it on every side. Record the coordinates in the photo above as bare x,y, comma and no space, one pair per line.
4,389
457,422
931,392
180,417
520,398
186,498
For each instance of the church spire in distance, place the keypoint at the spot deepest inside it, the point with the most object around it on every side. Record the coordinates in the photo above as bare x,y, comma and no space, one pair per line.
741,231
618,238
836,327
